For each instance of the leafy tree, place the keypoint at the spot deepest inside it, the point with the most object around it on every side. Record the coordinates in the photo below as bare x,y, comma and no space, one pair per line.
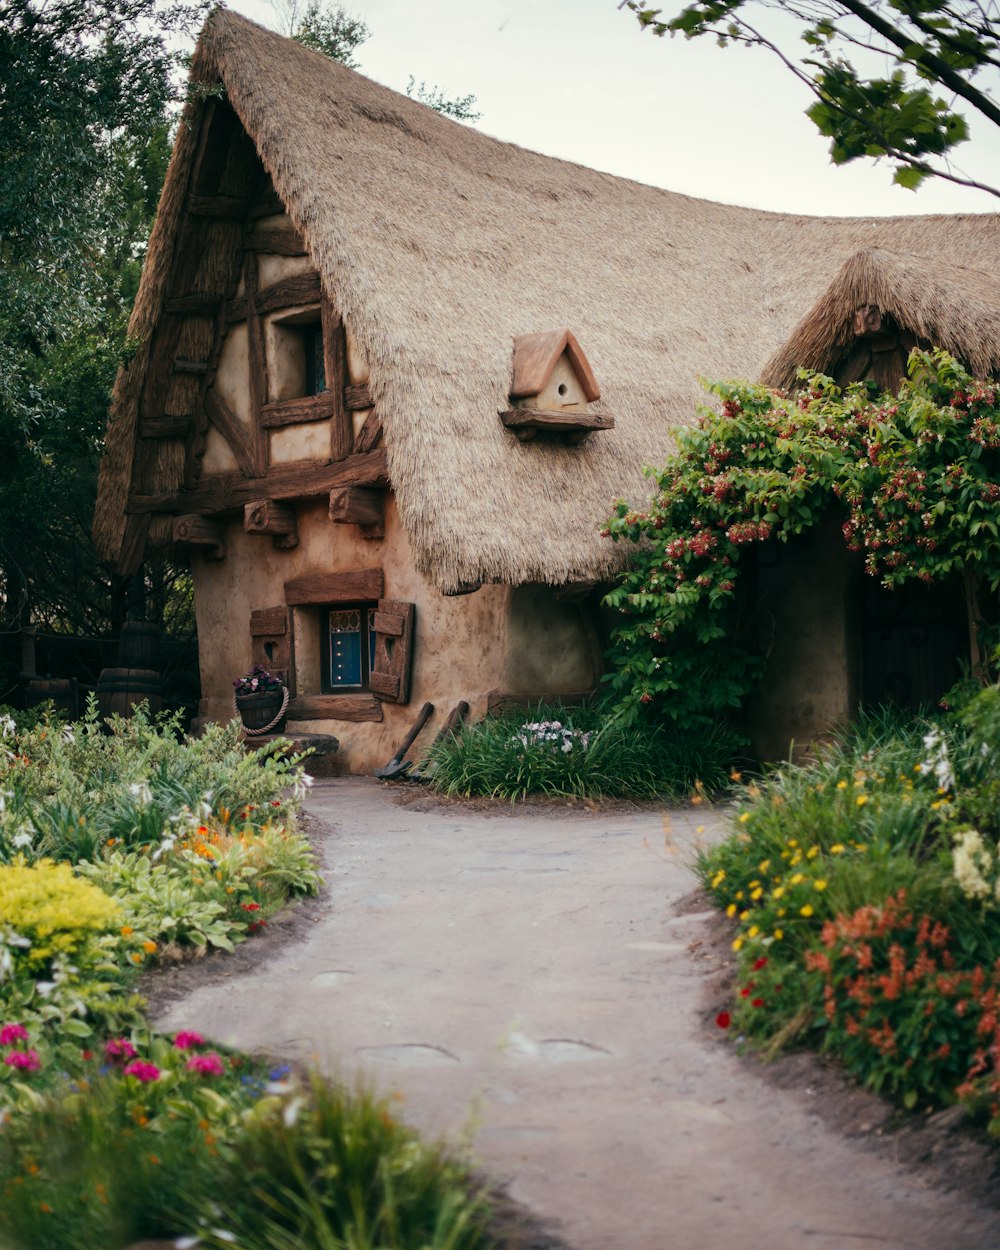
914,476
877,70
85,93
460,109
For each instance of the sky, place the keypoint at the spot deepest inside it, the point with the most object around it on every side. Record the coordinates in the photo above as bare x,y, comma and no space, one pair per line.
578,79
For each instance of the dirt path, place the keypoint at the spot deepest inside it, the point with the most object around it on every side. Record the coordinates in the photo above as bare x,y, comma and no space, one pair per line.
526,985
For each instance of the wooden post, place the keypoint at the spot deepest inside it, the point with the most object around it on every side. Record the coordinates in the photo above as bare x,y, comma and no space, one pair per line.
257,368
195,530
266,516
334,363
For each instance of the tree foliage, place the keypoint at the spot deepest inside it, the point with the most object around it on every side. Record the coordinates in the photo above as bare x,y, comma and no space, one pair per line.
914,477
891,78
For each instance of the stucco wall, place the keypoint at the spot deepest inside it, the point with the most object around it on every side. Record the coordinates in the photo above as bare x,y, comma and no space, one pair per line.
807,629
458,647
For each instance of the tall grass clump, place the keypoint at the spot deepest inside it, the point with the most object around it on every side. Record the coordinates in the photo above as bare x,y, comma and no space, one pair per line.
578,753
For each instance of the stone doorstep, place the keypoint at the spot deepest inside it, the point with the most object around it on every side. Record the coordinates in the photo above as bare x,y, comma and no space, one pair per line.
319,764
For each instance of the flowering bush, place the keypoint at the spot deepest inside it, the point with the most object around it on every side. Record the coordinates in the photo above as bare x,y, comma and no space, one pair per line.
552,735
915,478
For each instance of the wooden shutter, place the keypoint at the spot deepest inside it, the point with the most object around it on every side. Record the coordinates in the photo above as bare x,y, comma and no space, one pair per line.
393,626
271,640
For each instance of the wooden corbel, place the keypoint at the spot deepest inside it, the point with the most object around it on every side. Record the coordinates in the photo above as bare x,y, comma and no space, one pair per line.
362,506
267,516
201,532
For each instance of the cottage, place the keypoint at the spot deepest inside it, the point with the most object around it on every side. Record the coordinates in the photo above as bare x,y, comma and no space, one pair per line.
392,373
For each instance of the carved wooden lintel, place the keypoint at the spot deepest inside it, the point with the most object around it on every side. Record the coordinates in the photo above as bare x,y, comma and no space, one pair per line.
525,423
267,516
350,586
195,530
362,506
353,707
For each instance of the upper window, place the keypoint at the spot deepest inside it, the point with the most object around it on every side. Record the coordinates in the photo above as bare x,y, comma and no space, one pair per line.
296,364
348,646
315,363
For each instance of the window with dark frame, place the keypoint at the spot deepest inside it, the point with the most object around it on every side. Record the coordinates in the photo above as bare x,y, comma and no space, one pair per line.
312,342
348,642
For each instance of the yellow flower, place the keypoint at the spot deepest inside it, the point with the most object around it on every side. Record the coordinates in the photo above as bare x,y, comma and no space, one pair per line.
744,914
700,829
812,852
819,884
841,785
744,817
861,800
792,842
807,910
779,934
797,879
756,894
737,943
764,865
781,911
778,891
718,879
753,931
837,849
731,909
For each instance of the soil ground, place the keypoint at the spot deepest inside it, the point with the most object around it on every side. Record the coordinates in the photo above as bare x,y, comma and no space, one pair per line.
539,984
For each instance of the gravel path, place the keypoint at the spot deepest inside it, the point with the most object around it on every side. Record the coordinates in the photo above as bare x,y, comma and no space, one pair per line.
525,983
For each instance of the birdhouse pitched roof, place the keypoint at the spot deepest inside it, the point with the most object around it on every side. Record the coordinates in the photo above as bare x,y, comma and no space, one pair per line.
438,245
535,357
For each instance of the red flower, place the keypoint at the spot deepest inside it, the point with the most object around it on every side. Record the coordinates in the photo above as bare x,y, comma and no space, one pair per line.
250,906
723,1019
760,963
757,1002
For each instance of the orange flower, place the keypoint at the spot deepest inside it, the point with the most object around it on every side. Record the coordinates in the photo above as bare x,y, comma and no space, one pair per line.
149,946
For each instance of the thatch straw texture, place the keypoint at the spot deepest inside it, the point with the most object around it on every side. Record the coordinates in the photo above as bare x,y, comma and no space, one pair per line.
440,245
942,303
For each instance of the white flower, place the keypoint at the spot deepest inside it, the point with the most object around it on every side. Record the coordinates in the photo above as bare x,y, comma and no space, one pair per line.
141,792
7,726
68,736
972,864
22,839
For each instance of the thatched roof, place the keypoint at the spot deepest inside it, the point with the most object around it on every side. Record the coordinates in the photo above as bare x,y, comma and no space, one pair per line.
938,301
440,245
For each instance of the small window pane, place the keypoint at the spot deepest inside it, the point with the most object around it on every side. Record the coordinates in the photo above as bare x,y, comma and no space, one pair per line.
315,361
371,638
345,648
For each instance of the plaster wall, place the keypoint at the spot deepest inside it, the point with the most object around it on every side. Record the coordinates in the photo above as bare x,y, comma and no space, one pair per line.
232,373
458,648
550,646
300,442
806,627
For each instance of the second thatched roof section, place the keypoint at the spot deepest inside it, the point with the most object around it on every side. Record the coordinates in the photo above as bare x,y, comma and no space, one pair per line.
440,245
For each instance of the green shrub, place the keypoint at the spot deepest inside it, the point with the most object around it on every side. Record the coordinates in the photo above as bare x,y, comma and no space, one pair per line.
577,752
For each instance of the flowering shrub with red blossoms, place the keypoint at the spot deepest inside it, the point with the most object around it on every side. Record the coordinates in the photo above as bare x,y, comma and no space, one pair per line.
916,479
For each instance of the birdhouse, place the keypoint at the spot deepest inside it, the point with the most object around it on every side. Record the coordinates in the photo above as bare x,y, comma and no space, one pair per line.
553,389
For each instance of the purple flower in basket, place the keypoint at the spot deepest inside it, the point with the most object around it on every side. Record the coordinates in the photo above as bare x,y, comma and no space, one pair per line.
258,680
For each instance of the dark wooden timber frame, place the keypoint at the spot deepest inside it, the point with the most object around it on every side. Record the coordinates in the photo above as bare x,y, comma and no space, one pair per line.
220,236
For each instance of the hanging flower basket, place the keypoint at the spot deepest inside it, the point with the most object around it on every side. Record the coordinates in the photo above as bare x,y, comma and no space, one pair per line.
260,700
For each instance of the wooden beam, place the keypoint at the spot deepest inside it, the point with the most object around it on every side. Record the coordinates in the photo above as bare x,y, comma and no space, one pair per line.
298,411
353,707
276,242
257,369
297,480
196,367
200,532
525,423
221,207
362,506
167,426
357,398
266,516
300,288
351,586
270,204
232,430
335,368
192,305
235,310
369,434
166,336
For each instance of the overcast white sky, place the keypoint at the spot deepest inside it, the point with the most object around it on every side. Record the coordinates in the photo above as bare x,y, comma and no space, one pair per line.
579,80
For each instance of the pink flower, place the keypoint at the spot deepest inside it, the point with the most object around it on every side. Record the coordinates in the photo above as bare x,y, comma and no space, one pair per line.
142,1071
119,1048
206,1065
13,1033
26,1060
188,1040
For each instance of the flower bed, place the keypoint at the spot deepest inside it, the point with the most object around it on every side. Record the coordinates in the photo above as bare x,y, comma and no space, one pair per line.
866,892
119,851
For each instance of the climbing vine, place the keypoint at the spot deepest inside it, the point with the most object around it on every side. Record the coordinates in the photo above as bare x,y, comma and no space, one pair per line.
916,480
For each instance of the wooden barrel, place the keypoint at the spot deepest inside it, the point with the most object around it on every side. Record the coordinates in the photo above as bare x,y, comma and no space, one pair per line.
61,690
260,709
120,689
138,645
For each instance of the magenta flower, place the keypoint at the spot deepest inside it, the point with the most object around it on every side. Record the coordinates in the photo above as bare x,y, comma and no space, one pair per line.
118,1048
142,1071
188,1040
26,1060
13,1033
206,1065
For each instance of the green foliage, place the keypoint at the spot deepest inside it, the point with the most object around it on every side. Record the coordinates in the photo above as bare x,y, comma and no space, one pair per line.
916,473
330,30
929,48
578,752
458,108
857,927
231,1156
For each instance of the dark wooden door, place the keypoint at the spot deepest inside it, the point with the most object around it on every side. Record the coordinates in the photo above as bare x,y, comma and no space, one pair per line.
914,642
